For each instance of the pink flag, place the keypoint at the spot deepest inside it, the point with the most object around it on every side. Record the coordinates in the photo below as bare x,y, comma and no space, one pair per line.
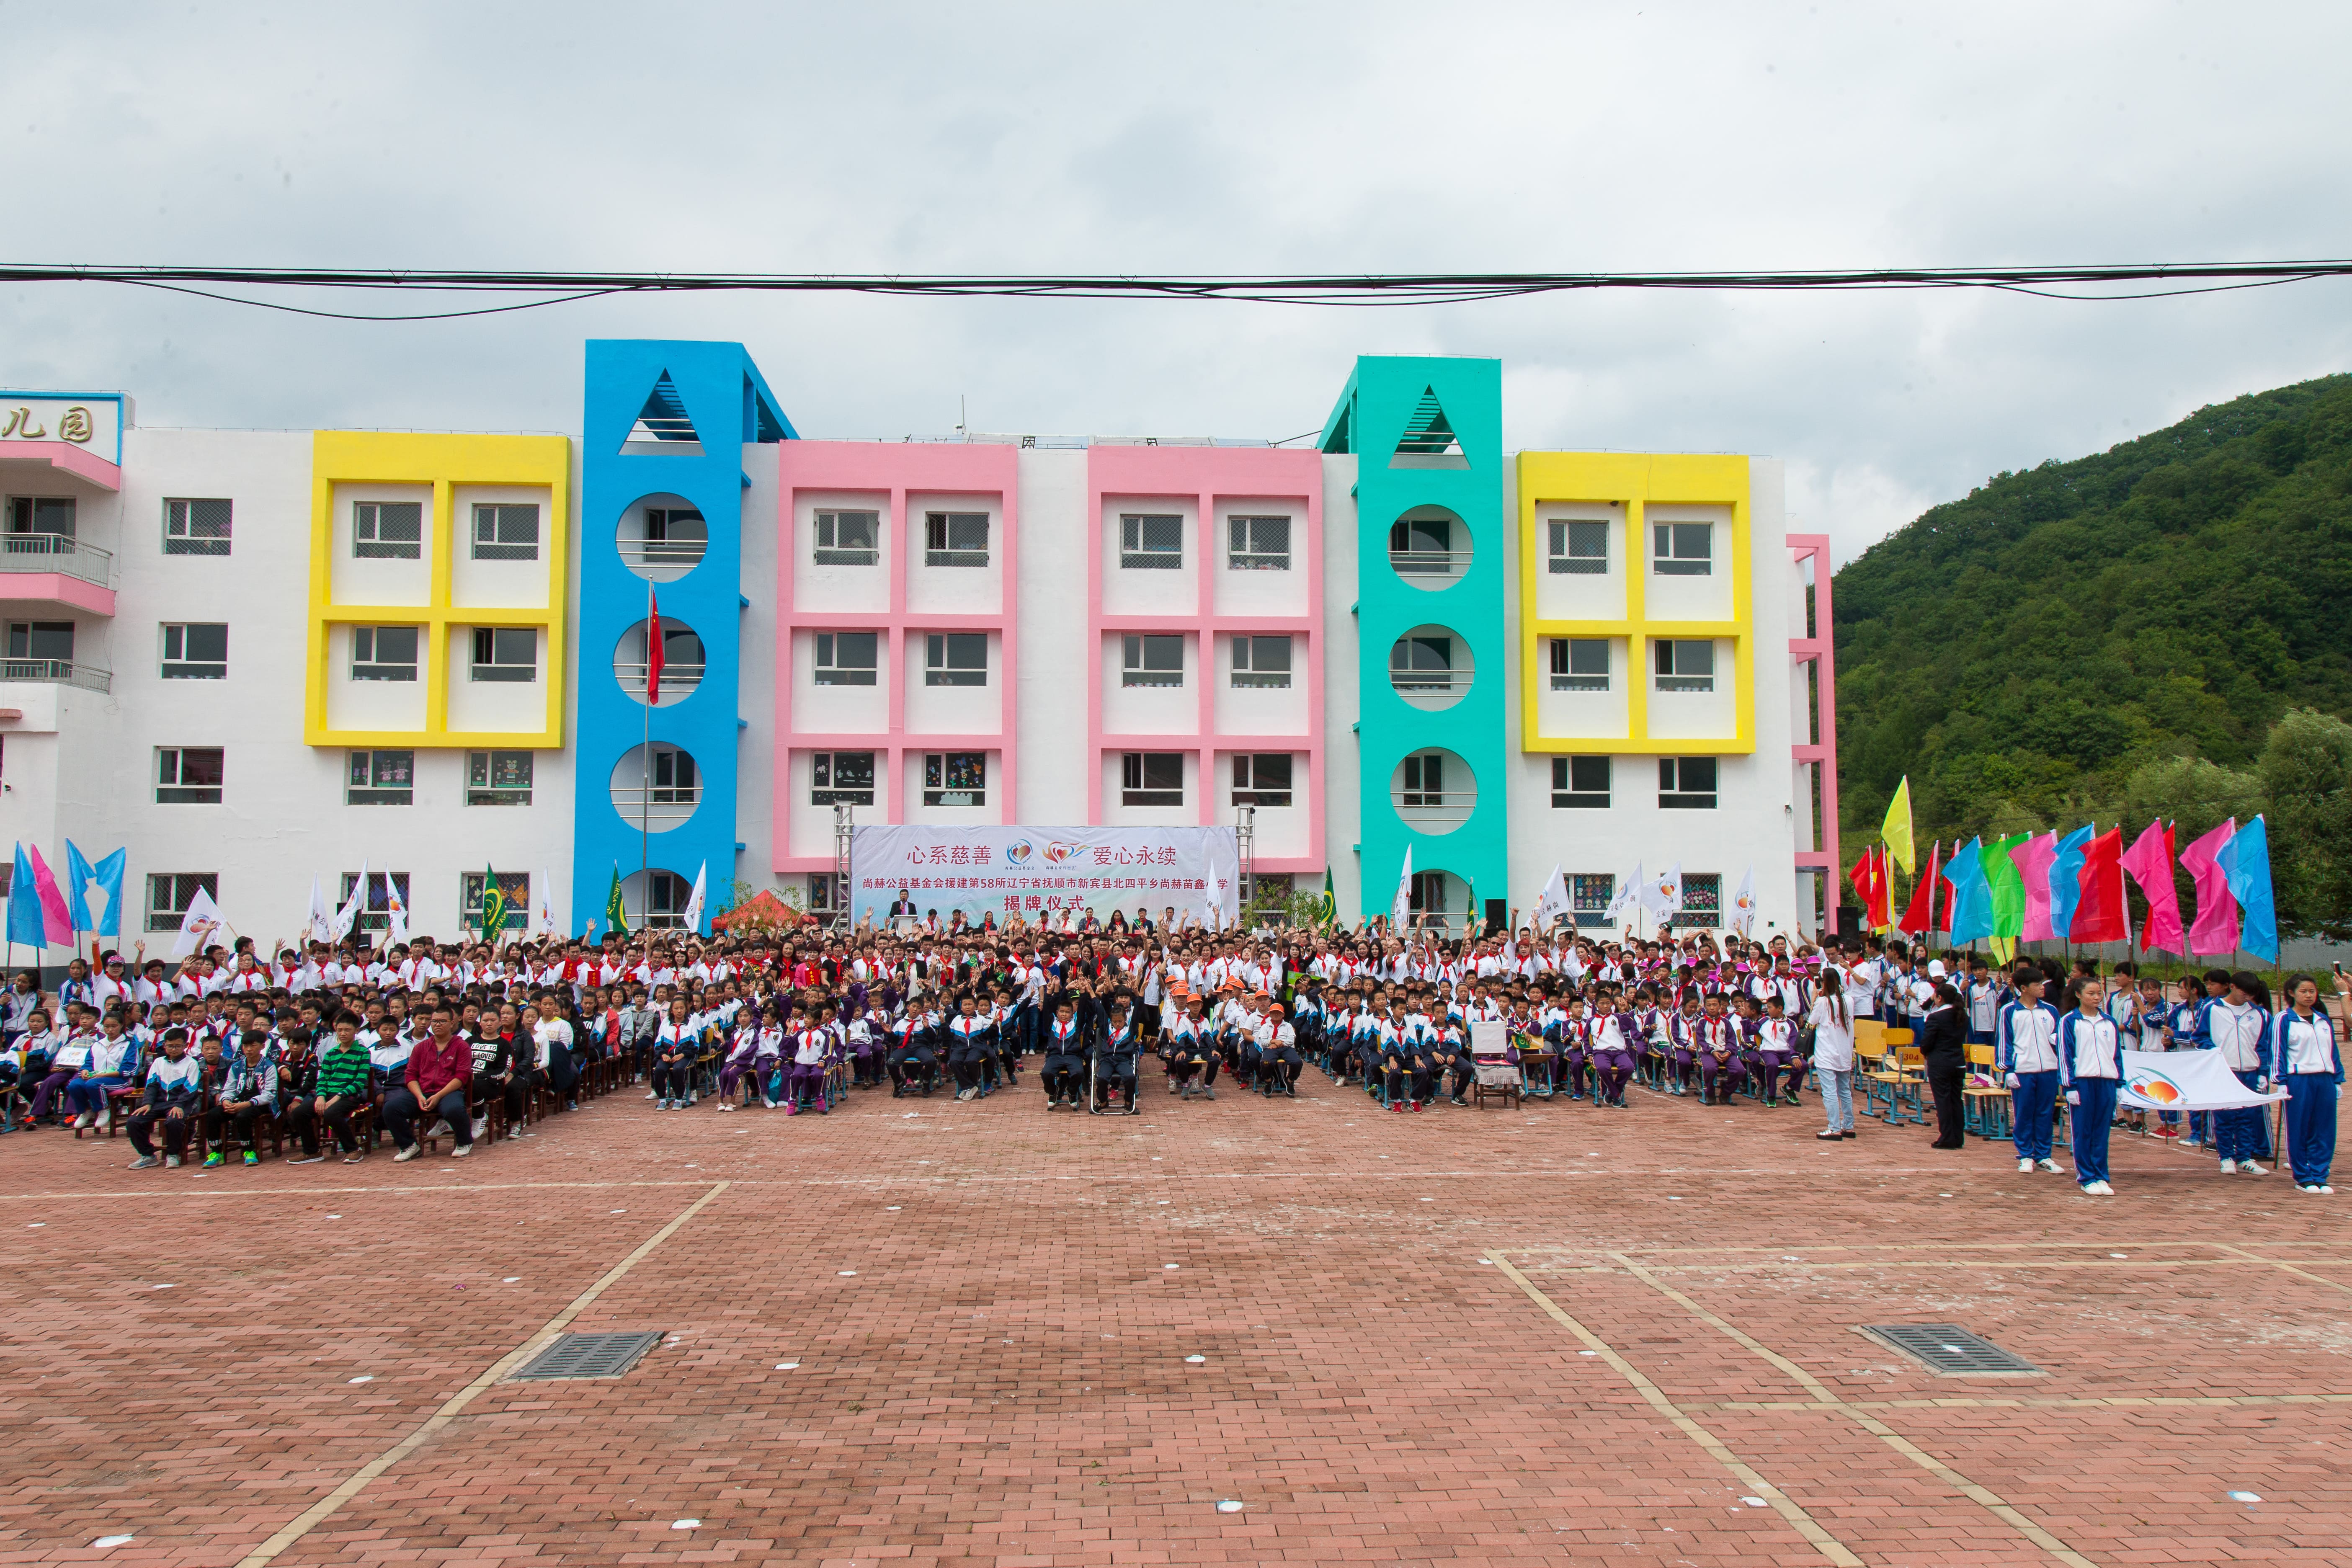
54,918
2149,861
2033,858
2216,929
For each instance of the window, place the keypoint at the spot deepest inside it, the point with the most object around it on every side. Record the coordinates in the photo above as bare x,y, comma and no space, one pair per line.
375,909
1589,894
1687,783
380,778
1262,779
1422,664
1580,548
849,658
955,659
1150,543
667,895
169,894
45,643
1151,778
1424,780
196,651
1262,661
1702,900
387,530
955,539
676,782
1421,544
1153,660
506,653
187,775
1686,664
823,896
506,532
1685,549
1581,781
1258,543
841,778
195,527
383,653
674,536
1579,664
515,885
51,515
955,778
849,537
497,778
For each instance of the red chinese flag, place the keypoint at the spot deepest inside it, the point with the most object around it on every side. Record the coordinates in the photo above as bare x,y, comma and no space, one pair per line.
1920,916
1864,878
2099,913
652,647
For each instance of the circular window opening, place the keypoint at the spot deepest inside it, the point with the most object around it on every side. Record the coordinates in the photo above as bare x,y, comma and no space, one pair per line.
681,662
1431,668
655,787
656,897
1429,547
1433,790
1439,900
662,538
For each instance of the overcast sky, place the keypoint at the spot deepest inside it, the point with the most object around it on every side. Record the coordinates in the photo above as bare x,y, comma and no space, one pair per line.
1352,137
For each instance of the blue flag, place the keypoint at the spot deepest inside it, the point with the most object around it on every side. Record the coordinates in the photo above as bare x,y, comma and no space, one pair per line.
2246,862
2066,878
108,875
25,922
1971,894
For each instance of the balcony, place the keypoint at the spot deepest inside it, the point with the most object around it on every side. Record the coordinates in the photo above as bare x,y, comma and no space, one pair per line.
61,672
56,552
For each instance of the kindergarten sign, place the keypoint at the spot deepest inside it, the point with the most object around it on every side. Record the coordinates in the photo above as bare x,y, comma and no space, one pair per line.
1045,874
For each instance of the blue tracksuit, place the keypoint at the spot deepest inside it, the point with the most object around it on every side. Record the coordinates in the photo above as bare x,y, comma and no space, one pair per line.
2303,1057
2245,1134
2091,1063
2025,1042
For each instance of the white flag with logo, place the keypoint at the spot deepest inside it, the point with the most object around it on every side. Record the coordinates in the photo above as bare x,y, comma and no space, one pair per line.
1663,896
1743,905
395,927
321,925
1627,896
694,900
542,905
348,916
1401,907
1552,902
197,926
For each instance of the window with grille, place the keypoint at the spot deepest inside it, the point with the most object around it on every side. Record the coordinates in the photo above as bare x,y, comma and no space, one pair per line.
841,778
1150,543
1580,549
1151,778
49,515
516,885
1581,781
383,653
849,538
1685,664
1702,900
195,651
1579,664
1262,661
1424,780
1150,660
506,653
387,530
850,659
375,909
196,527
497,778
1258,543
955,778
1262,778
1684,549
827,893
955,659
1687,783
955,539
380,778
1589,894
188,775
506,532
169,894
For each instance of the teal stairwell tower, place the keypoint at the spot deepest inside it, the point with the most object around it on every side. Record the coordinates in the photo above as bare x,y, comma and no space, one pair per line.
1427,434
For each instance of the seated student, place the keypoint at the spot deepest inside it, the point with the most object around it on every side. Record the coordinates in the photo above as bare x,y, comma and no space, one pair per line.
1450,1057
914,1059
742,1058
298,1084
1192,1052
1773,1042
1619,1035
512,1070
109,1061
1065,1058
971,1043
678,1044
812,1054
1721,1066
439,1072
1683,1028
245,1101
344,1070
174,1094
1278,1058
1116,1057
47,1075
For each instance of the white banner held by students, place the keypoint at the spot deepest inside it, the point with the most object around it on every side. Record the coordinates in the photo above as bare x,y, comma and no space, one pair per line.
348,916
2186,1080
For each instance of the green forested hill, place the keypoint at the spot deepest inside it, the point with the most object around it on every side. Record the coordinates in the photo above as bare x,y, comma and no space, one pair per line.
2111,637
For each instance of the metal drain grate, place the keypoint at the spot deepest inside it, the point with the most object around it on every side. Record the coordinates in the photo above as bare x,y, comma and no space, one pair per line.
1950,1349
588,1355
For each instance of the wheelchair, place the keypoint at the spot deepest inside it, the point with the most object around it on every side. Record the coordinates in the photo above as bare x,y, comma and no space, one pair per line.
1099,1088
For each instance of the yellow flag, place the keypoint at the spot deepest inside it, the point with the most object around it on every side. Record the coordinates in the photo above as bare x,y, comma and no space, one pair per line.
1896,831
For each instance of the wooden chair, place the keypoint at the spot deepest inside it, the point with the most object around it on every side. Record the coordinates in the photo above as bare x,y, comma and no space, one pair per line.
1497,1079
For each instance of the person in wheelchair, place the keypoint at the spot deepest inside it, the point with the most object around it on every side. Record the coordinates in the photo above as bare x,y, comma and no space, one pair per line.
914,1056
1449,1048
1278,1060
972,1042
1117,1058
1066,1057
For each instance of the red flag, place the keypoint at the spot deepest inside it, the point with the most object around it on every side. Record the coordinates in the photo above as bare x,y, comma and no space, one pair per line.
1866,885
2099,913
652,647
1944,921
1920,917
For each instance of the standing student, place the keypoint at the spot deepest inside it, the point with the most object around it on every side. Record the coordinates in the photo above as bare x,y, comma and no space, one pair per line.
2025,1051
1943,1043
2237,1024
2091,1064
1834,1059
2305,1058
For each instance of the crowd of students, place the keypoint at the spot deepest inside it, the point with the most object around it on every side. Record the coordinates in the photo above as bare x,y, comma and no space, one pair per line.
419,1039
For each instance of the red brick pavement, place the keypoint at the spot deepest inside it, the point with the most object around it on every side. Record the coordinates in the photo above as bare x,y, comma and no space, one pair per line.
1003,1379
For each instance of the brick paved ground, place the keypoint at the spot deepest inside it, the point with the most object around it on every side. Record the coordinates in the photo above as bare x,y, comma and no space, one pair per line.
1552,1336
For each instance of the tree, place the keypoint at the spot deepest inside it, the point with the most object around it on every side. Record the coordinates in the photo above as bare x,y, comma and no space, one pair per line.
2306,771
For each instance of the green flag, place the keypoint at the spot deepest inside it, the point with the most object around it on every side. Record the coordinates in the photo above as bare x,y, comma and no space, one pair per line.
2008,886
494,906
616,918
1328,911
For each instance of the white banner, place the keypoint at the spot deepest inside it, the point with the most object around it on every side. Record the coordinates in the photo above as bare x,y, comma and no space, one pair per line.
1044,873
2186,1080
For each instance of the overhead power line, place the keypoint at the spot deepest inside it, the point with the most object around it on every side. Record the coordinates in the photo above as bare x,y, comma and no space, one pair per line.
2165,279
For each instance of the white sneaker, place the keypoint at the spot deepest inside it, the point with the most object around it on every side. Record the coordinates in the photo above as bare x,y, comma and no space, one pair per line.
2047,1164
2251,1168
2229,1167
461,1151
410,1152
2323,1188
2306,1188
2023,1166
653,1097
87,1119
2100,1189
482,1127
441,1130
